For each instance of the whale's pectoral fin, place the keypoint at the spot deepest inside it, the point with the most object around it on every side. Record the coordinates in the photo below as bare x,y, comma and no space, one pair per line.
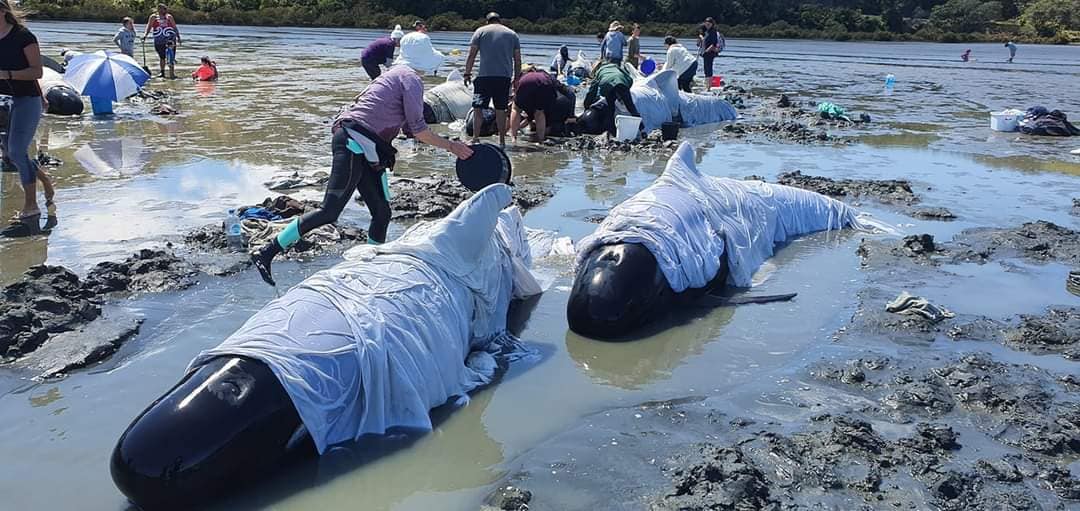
711,300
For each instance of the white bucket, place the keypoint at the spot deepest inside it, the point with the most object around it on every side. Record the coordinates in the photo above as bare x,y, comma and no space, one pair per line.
626,127
1004,121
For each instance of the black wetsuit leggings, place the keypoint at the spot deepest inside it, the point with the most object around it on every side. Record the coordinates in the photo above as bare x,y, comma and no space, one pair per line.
350,171
621,93
686,80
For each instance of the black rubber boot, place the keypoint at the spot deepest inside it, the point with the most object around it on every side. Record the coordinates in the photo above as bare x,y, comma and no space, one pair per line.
263,258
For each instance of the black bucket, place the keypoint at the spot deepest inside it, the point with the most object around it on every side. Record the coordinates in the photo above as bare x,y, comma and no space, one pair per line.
488,165
669,131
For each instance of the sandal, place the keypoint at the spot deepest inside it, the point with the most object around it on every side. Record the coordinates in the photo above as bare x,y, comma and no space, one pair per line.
23,226
50,220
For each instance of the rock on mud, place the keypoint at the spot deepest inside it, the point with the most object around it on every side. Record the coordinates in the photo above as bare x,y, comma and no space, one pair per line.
435,196
889,191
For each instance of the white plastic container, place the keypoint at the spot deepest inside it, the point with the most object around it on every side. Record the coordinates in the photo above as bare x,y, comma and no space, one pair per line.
1007,120
626,127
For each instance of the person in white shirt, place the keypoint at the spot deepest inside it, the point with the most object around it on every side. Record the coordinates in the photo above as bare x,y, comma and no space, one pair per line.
682,61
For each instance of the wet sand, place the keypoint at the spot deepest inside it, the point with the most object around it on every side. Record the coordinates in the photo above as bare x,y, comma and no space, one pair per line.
825,401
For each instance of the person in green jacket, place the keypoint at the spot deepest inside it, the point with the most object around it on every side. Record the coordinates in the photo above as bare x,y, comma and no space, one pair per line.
612,83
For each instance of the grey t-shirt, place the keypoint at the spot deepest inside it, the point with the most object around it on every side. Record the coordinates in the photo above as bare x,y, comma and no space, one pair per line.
497,44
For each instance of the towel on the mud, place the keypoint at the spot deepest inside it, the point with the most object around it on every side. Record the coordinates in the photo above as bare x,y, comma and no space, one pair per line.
831,111
689,221
909,304
378,340
1041,122
259,213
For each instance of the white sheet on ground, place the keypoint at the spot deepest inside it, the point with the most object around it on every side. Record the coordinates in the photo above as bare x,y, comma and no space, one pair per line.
689,221
378,340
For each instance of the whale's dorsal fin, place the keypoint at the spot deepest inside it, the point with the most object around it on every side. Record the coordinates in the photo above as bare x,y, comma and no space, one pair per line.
455,76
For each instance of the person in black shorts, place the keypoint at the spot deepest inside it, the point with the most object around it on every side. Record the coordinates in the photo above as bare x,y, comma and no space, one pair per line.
166,35
499,70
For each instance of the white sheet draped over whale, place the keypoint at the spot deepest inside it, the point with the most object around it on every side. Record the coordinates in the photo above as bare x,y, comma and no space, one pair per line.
377,341
688,221
658,100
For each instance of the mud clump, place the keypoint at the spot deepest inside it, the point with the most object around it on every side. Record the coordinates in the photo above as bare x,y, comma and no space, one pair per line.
1057,331
51,300
47,300
889,191
1037,241
436,196
723,478
942,214
651,144
783,131
919,244
509,498
147,271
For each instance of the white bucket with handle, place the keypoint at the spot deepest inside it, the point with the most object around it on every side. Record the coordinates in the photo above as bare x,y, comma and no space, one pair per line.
1008,120
626,127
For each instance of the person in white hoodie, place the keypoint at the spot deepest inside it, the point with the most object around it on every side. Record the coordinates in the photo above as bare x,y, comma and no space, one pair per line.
682,61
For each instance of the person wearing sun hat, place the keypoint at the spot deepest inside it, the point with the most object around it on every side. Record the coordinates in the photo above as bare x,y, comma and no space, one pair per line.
611,50
362,150
380,52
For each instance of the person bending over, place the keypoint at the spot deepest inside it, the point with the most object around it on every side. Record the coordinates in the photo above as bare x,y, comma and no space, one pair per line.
362,150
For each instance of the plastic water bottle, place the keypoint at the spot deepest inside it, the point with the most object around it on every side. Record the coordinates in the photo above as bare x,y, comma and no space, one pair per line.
890,81
234,233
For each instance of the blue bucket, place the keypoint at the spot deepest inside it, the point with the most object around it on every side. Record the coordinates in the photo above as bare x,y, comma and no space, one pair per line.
648,66
572,80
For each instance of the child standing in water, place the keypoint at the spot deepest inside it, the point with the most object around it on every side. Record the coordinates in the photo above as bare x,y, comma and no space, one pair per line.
1012,51
125,38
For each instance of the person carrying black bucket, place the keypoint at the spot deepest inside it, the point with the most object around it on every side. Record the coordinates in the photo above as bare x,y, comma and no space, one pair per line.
362,150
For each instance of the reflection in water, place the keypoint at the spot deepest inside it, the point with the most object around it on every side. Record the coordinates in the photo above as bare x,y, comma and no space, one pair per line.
633,364
112,153
205,89
383,469
49,397
17,254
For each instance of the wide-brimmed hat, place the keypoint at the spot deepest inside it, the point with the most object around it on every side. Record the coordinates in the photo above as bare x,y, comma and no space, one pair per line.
615,25
418,53
397,33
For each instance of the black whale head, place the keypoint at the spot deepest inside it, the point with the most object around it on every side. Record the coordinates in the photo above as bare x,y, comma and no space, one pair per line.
618,288
223,425
63,100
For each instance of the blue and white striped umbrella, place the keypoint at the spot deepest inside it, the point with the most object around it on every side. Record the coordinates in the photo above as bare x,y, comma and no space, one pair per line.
106,75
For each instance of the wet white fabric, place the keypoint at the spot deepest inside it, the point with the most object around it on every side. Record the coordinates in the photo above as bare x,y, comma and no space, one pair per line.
651,103
689,221
694,109
450,100
698,109
378,340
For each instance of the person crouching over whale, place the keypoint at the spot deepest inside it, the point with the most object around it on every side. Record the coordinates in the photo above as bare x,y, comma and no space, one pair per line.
362,152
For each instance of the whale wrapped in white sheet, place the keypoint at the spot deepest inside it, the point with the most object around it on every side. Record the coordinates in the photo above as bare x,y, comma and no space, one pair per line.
378,340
